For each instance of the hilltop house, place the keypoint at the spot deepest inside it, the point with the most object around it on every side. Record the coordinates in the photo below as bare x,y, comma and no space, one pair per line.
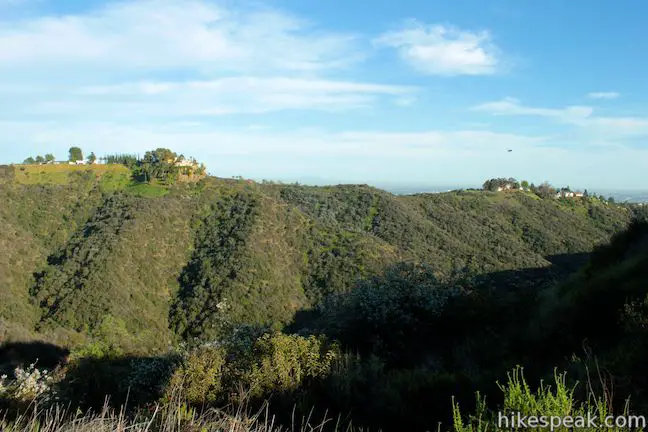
566,193
511,187
186,163
507,186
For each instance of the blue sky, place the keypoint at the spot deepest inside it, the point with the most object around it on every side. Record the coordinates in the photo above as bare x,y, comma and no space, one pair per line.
409,92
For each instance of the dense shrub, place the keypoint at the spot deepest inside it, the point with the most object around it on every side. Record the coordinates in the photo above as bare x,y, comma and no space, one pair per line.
387,315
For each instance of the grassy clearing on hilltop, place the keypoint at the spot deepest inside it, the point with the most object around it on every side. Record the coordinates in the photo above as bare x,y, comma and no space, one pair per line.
111,177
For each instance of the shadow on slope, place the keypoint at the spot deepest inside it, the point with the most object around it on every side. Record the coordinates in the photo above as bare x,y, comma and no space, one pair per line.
44,355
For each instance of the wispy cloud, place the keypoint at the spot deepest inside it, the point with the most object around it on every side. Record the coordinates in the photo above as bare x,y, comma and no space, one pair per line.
444,50
603,95
172,34
233,95
600,127
512,106
176,58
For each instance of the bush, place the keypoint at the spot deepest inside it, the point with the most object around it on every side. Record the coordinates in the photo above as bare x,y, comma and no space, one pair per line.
28,384
284,362
558,401
388,315
199,378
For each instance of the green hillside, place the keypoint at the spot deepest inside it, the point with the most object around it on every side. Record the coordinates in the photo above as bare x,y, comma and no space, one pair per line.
377,307
186,262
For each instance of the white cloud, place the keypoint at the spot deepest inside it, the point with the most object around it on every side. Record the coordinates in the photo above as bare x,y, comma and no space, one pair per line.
174,34
603,95
444,50
141,59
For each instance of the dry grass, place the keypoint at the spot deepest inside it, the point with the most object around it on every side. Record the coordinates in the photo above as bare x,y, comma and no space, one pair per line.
174,417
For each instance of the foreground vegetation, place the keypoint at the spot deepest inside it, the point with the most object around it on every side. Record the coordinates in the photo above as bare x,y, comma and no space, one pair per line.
551,401
305,303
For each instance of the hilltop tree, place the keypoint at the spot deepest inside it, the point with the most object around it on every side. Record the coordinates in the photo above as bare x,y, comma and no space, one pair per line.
525,184
76,154
40,159
92,158
49,157
29,161
493,184
545,190
160,156
158,165
129,160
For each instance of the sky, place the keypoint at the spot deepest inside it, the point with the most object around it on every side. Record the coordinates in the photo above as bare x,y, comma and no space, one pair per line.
413,92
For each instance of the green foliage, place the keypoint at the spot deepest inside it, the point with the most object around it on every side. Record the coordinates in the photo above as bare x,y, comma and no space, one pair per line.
124,271
147,190
200,309
303,245
107,269
200,377
554,404
75,154
165,167
39,159
283,363
273,363
127,160
386,315
505,183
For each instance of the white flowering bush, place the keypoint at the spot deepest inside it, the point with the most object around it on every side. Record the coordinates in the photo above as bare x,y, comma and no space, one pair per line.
29,384
3,385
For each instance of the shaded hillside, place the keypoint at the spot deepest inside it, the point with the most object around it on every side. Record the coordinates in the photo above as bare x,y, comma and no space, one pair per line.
601,313
186,260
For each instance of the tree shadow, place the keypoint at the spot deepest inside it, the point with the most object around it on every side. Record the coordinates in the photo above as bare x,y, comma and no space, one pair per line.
43,355
128,382
412,361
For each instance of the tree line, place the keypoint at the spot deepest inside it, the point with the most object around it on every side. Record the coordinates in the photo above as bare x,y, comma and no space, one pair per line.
74,154
543,190
160,165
